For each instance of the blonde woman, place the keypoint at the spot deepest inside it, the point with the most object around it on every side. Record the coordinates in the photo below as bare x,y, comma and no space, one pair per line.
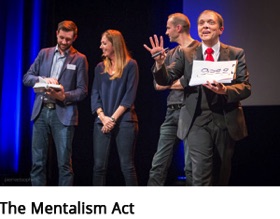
112,100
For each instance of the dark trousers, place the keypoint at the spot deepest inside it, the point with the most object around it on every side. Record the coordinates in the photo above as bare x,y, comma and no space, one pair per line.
45,125
124,136
167,142
211,151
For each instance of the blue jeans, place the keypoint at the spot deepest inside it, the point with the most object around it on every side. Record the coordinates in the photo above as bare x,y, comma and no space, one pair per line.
124,136
45,125
162,159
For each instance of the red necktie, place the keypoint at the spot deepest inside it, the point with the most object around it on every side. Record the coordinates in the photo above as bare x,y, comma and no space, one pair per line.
209,56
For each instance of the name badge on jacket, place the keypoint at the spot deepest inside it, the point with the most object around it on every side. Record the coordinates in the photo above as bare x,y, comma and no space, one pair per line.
71,66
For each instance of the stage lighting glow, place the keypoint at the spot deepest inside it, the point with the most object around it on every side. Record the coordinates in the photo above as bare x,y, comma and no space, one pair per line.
11,84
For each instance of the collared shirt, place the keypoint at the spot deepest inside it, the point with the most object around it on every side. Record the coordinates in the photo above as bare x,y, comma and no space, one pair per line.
216,49
58,61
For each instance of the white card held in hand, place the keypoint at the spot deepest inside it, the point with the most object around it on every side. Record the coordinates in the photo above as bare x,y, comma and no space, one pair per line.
221,71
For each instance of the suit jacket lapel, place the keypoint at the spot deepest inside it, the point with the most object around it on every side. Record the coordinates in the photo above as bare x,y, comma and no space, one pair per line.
195,54
49,61
224,53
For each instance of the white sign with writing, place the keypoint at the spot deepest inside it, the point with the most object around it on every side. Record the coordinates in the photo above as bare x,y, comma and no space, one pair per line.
221,71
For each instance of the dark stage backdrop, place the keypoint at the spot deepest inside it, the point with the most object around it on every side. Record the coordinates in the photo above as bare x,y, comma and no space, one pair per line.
247,24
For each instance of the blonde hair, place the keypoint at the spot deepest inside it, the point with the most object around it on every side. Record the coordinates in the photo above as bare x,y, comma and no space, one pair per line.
122,55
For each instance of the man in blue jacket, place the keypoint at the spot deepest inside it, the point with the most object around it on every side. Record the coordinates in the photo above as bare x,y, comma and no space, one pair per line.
55,111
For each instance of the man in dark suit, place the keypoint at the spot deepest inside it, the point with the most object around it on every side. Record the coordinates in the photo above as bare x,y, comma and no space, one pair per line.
212,118
55,112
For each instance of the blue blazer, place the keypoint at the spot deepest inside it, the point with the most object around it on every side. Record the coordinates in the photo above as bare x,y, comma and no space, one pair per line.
240,88
73,77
